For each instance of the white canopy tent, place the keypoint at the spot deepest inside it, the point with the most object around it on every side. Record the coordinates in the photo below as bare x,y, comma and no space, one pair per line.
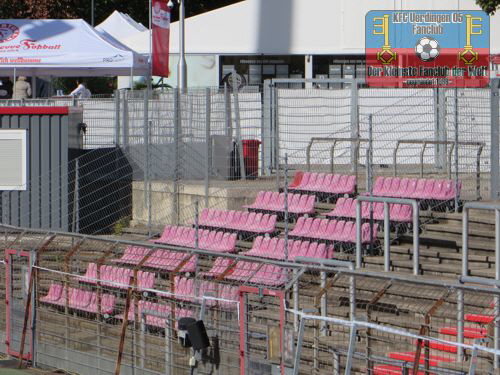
120,26
287,27
64,48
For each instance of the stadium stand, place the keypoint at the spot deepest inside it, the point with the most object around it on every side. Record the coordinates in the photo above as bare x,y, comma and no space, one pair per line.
401,215
246,224
324,186
207,239
269,201
333,231
432,193
79,299
117,277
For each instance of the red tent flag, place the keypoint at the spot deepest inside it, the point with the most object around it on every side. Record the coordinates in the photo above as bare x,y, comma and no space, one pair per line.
160,20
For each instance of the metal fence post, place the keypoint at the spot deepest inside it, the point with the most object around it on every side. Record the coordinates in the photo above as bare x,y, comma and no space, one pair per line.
125,122
176,174
495,139
267,135
387,238
239,140
497,278
117,118
208,156
147,177
276,128
354,123
369,155
227,111
285,193
456,149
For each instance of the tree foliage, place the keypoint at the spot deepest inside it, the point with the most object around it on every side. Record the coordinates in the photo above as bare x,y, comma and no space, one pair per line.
489,6
138,9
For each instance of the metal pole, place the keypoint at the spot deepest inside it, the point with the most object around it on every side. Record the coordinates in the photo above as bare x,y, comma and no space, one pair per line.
147,192
177,126
92,13
125,121
369,155
117,118
324,303
208,156
285,193
354,122
387,238
238,127
298,350
196,226
416,238
33,297
456,149
359,255
497,278
182,66
350,353
495,139
295,300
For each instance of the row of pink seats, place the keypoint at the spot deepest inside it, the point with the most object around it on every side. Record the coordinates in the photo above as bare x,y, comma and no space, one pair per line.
274,248
324,183
238,220
331,230
274,201
346,207
185,289
258,273
79,299
416,188
160,259
207,240
158,320
117,277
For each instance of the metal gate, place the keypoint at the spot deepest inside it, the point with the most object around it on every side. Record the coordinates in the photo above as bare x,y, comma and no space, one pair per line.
17,285
262,319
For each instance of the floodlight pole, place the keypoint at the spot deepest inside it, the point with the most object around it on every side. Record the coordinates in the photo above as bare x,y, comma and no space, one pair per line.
92,12
181,66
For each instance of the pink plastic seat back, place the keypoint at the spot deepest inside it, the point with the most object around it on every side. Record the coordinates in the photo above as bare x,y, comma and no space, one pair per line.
297,229
378,186
419,191
386,188
394,189
403,187
313,230
305,180
429,188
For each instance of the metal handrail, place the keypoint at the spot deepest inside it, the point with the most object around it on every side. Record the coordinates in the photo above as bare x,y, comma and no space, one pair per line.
465,270
357,142
424,144
387,244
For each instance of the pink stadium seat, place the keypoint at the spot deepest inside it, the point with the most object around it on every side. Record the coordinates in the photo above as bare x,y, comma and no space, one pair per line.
238,221
428,189
419,191
403,187
378,185
220,265
54,293
297,179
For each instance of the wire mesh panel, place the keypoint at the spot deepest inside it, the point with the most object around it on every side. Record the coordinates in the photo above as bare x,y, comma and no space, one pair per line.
18,318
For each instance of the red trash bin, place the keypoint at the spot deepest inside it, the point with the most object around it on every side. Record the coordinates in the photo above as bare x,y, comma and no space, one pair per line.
251,157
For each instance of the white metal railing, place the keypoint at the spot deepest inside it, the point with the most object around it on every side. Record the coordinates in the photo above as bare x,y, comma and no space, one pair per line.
387,242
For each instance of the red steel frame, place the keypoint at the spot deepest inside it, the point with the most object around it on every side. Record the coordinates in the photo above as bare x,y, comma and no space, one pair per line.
266,292
8,298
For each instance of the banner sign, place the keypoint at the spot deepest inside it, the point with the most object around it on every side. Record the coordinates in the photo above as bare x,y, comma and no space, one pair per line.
160,21
421,48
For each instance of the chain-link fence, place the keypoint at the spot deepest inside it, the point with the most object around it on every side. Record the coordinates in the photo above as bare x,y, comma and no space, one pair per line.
99,305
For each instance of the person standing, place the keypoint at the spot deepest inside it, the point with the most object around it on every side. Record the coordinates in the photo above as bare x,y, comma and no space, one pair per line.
81,91
22,89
